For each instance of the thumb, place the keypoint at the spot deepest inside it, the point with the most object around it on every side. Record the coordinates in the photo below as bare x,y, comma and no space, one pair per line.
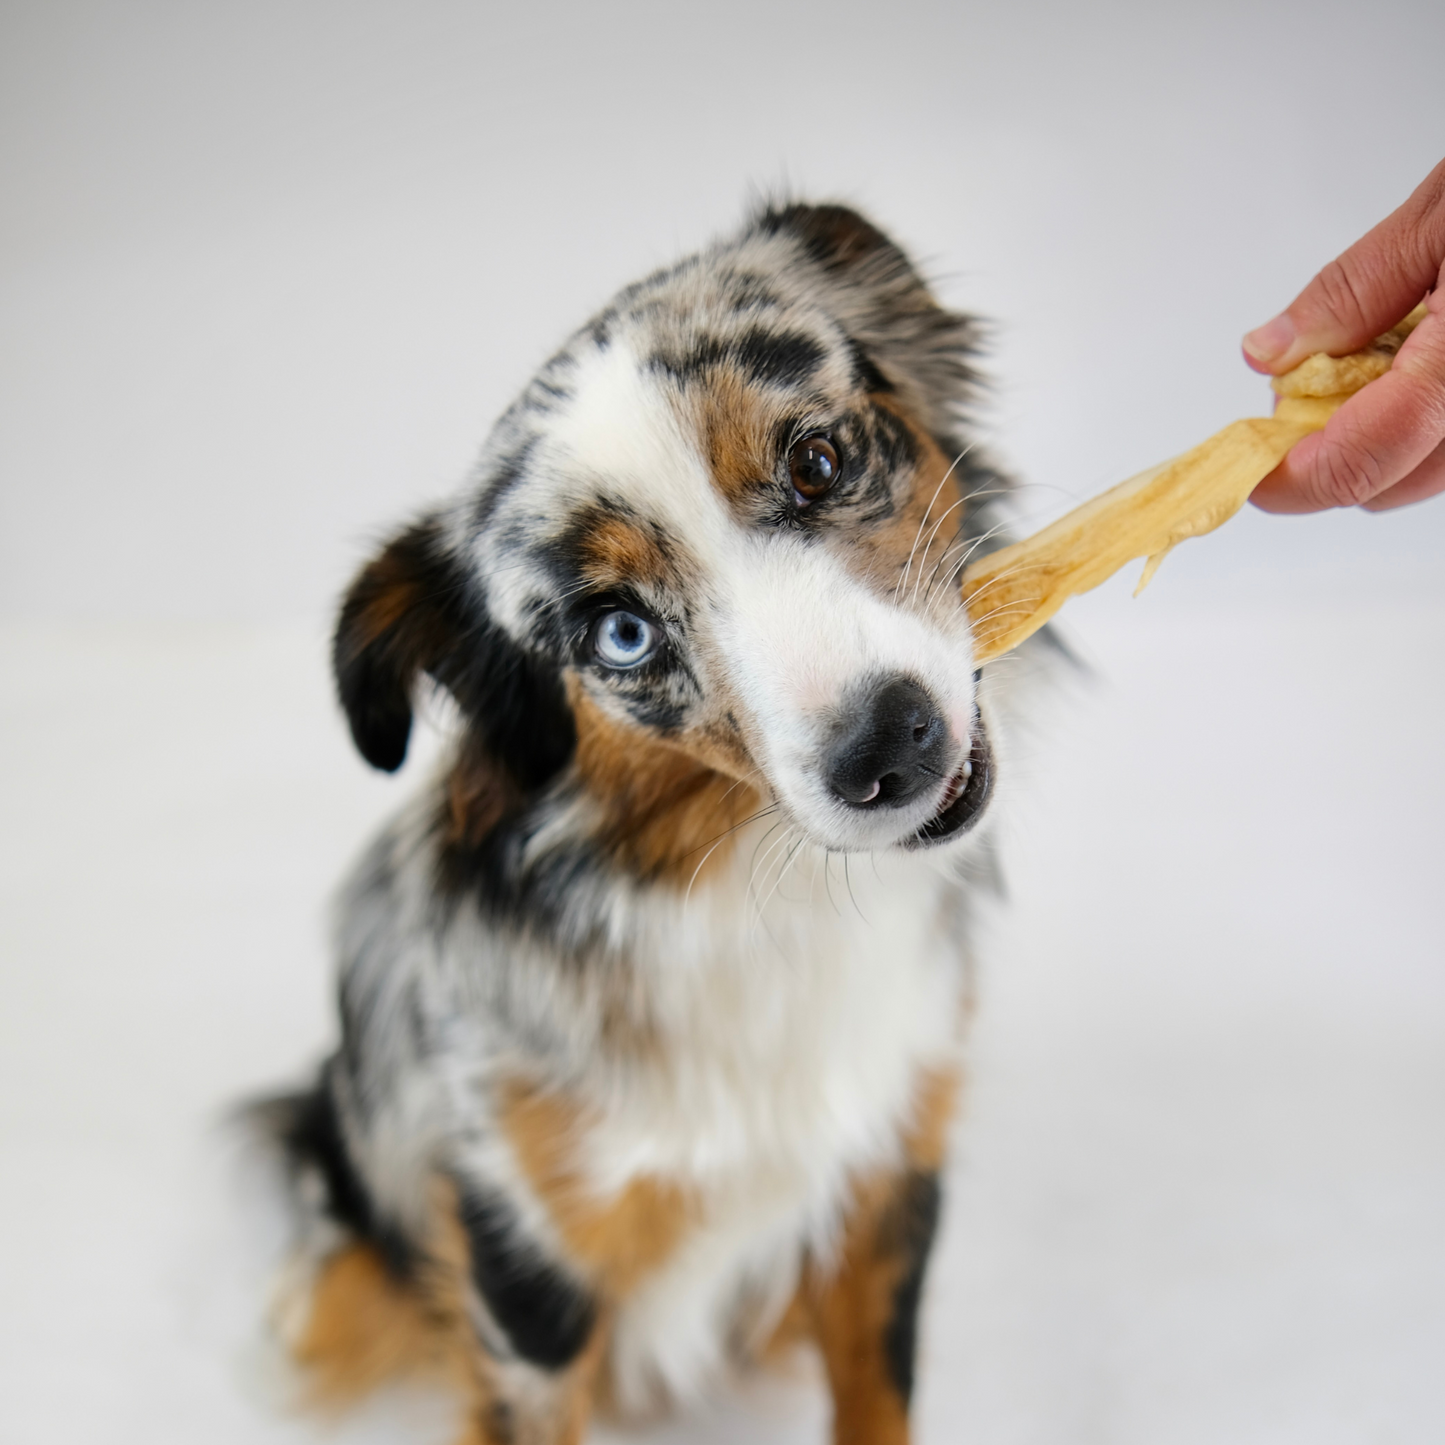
1363,292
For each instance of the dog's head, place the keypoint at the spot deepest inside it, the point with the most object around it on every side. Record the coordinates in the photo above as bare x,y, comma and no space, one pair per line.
712,550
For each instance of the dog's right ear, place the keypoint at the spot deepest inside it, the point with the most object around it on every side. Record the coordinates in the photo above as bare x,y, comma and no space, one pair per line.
402,616
913,344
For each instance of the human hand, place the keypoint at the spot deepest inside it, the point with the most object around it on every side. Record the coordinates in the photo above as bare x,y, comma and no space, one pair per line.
1385,447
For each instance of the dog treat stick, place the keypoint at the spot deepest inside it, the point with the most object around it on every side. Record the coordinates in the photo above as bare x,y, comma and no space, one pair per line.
1011,593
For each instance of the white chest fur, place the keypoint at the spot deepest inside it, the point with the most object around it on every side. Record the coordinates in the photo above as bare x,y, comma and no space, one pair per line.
792,1038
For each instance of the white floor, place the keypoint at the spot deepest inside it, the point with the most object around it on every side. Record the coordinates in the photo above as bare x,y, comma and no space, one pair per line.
1200,1194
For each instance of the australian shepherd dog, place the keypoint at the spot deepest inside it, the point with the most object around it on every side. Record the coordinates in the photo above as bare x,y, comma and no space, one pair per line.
652,998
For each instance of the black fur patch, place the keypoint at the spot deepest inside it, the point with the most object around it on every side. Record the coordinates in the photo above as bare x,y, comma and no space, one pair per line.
546,1315
894,446
835,236
550,896
909,1231
515,700
770,358
865,371
651,711
774,358
310,1132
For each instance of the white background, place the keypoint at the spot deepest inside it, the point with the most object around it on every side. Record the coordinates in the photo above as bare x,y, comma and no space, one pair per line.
269,272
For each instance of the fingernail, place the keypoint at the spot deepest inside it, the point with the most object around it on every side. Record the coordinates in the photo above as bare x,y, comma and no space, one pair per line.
1270,341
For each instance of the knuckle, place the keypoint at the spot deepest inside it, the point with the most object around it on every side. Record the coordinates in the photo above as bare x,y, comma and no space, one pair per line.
1419,375
1348,473
1341,289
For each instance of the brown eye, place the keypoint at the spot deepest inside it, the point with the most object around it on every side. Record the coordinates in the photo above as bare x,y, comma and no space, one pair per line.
814,466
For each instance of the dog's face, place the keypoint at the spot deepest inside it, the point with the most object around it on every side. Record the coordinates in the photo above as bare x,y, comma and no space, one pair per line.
719,535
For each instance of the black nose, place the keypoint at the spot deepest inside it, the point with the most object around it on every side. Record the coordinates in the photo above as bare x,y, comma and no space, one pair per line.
891,744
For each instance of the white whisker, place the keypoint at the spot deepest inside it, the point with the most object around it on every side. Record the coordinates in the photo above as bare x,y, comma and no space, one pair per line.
923,520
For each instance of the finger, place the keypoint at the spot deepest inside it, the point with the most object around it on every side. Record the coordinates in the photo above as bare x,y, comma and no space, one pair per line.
1427,480
1376,439
1371,444
1364,291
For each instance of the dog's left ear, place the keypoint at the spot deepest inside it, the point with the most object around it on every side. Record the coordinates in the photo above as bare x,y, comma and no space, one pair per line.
414,609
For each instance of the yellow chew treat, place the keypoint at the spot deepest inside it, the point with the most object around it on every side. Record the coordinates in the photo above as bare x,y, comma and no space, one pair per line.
1011,593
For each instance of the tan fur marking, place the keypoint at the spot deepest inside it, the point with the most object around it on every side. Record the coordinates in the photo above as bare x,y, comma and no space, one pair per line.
737,435
665,804
382,613
935,1101
365,1328
615,552
616,1241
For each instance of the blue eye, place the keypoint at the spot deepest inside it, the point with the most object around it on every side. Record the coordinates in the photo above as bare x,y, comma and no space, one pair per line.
624,639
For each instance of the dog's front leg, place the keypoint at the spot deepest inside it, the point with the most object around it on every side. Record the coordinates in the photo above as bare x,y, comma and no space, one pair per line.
864,1309
863,1303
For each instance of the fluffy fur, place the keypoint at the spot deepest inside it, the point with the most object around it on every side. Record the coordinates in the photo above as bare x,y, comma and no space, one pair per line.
652,999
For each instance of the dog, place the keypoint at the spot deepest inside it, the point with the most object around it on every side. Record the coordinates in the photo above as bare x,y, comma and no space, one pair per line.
652,1000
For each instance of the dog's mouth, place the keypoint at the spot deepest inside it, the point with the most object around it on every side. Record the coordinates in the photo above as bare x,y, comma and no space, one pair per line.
966,797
